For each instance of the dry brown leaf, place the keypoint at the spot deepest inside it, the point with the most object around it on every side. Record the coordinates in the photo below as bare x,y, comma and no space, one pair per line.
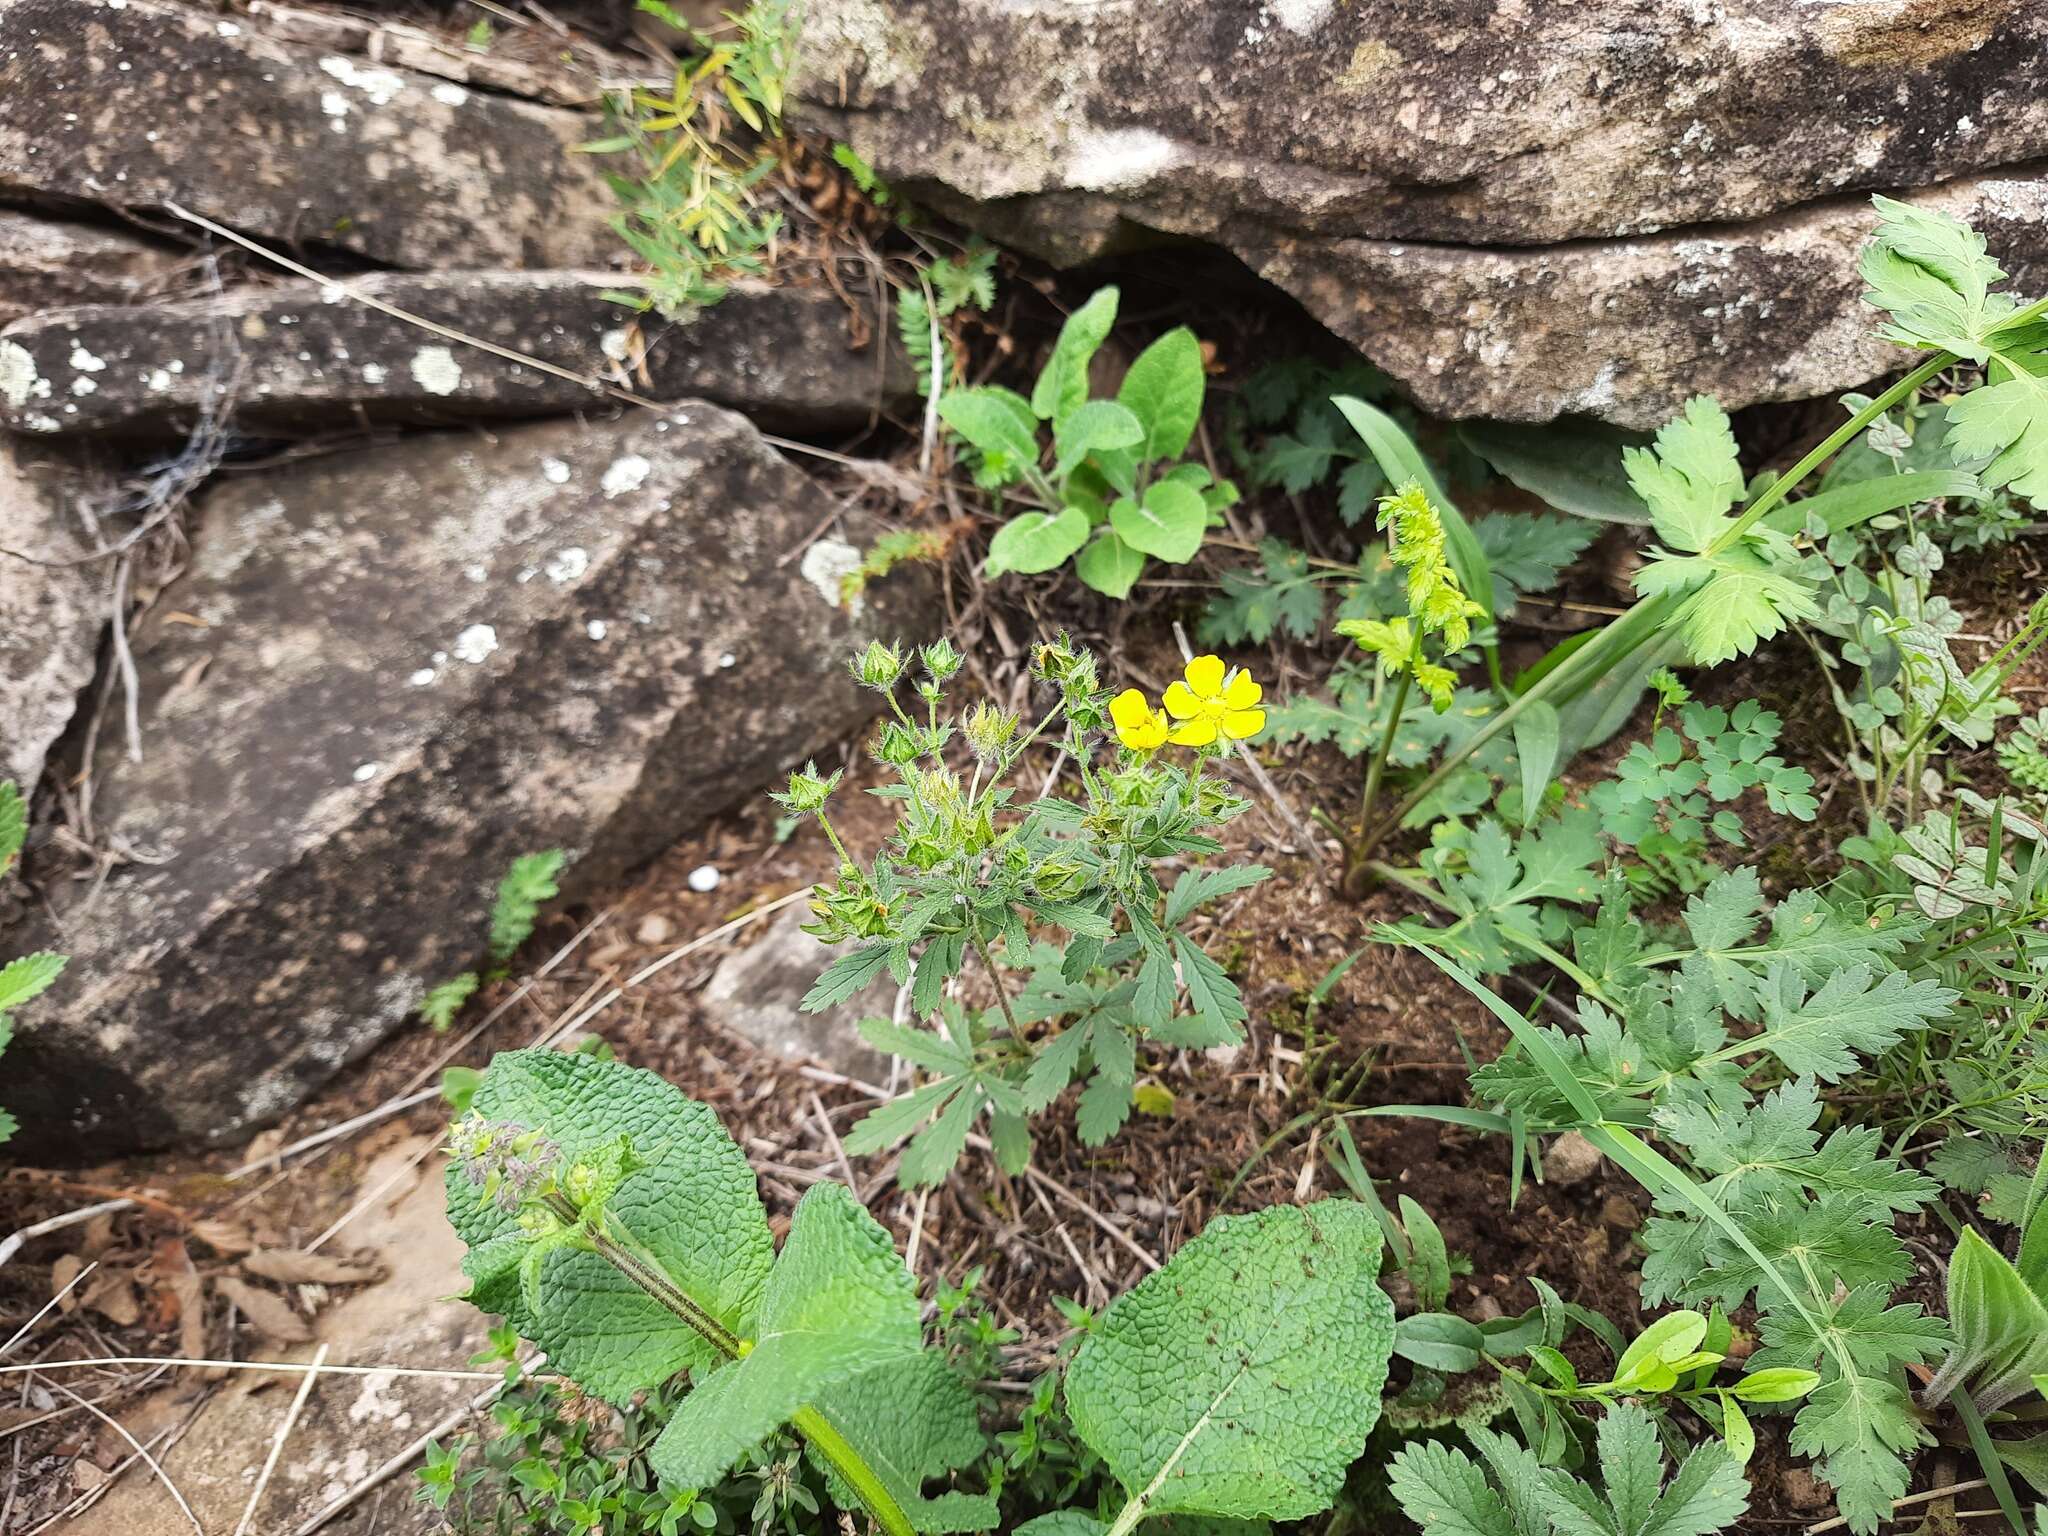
85,1476
62,1273
296,1266
223,1236
268,1314
111,1293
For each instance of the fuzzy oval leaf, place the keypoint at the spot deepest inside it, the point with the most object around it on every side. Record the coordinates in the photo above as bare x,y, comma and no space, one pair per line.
990,419
1063,383
1109,565
1169,524
1164,389
694,1206
1034,541
1242,1379
1097,425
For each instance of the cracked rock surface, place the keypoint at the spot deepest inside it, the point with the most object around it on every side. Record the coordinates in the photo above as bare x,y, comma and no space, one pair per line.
1454,186
385,675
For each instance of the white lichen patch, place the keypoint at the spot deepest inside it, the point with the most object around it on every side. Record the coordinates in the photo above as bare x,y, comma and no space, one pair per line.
159,380
1302,16
475,644
365,772
380,85
435,370
567,565
554,471
597,629
424,678
19,381
628,472
374,373
335,105
616,344
449,94
84,385
84,361
1116,159
826,565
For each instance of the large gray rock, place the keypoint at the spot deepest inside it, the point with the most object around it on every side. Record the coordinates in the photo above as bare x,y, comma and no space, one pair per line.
46,263
756,993
385,675
306,355
138,103
1518,129
1628,329
54,604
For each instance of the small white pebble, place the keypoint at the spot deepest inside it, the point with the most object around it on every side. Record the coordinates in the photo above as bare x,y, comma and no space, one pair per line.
422,678
475,643
365,772
596,629
554,471
704,879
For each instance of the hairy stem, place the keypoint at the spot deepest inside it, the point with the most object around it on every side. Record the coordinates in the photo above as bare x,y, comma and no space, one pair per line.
995,978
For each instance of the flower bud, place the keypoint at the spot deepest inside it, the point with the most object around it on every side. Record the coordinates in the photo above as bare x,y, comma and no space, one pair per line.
988,730
940,659
878,667
808,791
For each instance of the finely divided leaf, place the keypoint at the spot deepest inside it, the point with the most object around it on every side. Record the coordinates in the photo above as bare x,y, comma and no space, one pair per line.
1930,271
1242,1379
1692,477
1445,1492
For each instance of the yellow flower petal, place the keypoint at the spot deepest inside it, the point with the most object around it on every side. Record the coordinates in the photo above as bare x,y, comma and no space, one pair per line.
1148,737
1130,709
1205,676
1196,733
1243,724
1241,692
1181,702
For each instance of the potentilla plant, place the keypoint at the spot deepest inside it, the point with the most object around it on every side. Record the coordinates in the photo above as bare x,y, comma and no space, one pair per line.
976,876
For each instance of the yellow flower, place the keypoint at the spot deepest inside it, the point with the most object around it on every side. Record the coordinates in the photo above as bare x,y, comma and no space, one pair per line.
1214,702
1138,725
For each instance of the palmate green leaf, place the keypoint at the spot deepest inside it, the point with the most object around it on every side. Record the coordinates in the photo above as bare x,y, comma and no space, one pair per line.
838,1303
1859,1427
1446,1492
1528,550
1770,1150
1242,1378
1282,595
2006,421
1855,1013
1862,1324
1833,1240
694,1208
1929,270
28,976
1691,477
1737,600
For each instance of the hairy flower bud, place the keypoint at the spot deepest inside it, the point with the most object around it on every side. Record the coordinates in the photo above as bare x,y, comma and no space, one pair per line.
878,667
808,791
988,730
940,659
